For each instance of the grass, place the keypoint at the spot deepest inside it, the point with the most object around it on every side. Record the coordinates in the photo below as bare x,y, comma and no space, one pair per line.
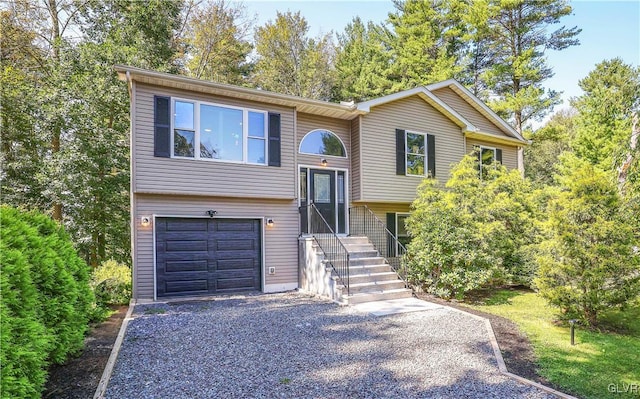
599,358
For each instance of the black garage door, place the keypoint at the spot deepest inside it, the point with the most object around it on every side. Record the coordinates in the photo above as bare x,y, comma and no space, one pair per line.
207,256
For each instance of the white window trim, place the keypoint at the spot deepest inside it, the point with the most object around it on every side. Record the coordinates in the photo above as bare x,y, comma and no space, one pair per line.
484,147
245,131
406,153
397,230
344,147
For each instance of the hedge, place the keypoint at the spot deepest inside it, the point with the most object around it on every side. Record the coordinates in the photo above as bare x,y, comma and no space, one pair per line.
46,300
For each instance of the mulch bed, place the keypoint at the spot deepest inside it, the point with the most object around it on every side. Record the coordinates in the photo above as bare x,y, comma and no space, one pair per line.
79,377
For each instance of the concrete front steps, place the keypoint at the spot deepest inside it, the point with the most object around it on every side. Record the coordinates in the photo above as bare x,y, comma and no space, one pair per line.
371,278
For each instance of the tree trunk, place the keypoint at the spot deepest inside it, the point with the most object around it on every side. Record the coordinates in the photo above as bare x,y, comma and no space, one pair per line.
624,168
56,131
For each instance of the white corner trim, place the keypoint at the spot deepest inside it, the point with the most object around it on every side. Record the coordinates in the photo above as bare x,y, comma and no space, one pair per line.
270,288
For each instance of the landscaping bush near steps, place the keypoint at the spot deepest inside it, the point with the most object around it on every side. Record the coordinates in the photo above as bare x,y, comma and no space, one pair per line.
46,300
111,283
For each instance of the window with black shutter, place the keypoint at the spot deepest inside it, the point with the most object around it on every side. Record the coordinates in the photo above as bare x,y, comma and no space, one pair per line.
415,153
162,126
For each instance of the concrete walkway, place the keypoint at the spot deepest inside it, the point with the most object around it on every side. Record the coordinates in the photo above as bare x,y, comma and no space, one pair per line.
298,346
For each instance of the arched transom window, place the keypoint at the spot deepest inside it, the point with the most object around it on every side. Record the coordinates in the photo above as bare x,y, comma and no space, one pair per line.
322,142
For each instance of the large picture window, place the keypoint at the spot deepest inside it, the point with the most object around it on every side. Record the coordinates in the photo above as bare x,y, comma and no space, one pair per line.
210,131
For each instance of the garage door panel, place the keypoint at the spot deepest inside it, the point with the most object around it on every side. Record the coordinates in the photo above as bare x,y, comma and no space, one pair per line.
235,225
235,245
186,245
236,264
184,225
205,256
187,286
186,256
235,284
186,266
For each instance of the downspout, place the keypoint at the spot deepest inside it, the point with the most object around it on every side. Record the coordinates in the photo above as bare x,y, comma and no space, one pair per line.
132,221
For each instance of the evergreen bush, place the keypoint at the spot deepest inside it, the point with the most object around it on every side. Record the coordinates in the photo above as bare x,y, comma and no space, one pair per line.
46,300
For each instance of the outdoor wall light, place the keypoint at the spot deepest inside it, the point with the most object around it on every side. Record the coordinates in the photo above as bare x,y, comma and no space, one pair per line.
145,221
270,222
212,213
323,162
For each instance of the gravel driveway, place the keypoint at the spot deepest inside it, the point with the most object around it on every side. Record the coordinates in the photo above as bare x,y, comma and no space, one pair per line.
297,346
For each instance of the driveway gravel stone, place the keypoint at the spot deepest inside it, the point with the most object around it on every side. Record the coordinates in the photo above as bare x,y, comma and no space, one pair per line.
294,345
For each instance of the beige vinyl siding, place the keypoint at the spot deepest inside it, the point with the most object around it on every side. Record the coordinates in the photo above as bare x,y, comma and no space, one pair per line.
378,140
342,129
205,177
356,192
279,241
468,112
509,153
381,209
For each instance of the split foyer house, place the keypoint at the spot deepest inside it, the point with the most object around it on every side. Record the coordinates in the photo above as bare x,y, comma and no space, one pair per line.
230,184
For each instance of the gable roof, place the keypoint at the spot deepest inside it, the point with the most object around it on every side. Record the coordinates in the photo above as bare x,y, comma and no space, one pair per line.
478,104
427,96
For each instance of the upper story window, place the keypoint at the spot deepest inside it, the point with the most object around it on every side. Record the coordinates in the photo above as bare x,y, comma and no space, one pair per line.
210,131
322,142
487,158
415,154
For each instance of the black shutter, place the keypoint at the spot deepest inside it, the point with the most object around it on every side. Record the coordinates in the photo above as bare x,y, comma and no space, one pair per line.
478,154
274,139
431,155
401,162
391,226
499,155
162,127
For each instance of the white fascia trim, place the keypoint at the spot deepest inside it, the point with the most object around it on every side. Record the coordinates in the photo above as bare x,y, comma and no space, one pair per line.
269,288
475,101
229,90
428,96
492,138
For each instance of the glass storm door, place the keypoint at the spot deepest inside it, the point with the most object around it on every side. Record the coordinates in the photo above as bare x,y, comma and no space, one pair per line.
326,189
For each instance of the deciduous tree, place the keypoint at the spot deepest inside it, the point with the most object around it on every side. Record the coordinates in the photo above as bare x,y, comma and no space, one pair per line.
218,45
548,142
291,63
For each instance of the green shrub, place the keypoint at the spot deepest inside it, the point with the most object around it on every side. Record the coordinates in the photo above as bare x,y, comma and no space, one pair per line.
46,299
111,283
473,232
23,337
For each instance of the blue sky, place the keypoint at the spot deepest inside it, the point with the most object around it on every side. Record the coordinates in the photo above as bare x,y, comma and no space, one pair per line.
609,29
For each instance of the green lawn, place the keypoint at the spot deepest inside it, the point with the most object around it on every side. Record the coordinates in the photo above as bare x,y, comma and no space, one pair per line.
597,360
